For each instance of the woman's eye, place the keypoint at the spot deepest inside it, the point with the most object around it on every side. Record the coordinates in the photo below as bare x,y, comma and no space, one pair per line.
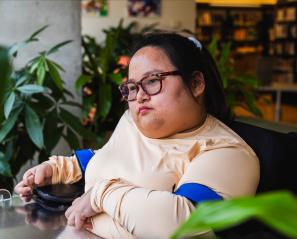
152,80
132,87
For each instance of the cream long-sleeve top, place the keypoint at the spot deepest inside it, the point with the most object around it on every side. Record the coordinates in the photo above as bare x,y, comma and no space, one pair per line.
133,178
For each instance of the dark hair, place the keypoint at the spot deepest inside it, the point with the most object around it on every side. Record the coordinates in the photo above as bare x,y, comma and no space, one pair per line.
187,57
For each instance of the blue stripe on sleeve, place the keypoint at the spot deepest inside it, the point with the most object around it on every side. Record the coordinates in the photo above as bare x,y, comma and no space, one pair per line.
83,156
197,192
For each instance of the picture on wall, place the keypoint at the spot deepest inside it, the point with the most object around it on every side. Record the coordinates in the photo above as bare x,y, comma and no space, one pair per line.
94,7
143,8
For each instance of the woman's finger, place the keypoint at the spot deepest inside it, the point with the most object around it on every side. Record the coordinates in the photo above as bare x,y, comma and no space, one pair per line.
76,201
79,221
68,211
23,189
88,224
26,198
29,180
29,173
70,220
39,178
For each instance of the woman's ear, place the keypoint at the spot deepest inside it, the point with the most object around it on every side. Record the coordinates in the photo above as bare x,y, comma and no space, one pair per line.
197,84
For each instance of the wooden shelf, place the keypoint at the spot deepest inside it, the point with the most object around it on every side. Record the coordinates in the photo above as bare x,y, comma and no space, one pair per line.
239,25
284,44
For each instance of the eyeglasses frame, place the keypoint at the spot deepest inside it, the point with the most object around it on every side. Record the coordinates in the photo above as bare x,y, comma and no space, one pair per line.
162,76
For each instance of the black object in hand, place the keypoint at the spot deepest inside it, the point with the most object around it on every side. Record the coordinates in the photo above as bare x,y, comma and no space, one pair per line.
58,197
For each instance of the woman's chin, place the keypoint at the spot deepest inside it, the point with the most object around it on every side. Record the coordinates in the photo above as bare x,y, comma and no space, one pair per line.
150,130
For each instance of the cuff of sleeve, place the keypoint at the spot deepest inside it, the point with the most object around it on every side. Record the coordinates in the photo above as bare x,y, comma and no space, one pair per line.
98,191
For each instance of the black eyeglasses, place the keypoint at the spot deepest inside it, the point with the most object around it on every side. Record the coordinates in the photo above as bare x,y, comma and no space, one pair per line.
150,84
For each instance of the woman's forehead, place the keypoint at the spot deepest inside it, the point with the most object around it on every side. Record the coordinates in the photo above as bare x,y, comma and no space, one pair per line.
149,59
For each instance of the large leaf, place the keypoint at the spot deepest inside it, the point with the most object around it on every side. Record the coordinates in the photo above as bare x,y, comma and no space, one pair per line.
31,89
116,78
53,130
9,123
81,81
56,47
71,103
22,80
37,32
34,127
277,209
16,47
54,73
58,66
74,123
5,69
41,71
9,104
4,166
105,100
34,64
13,50
72,139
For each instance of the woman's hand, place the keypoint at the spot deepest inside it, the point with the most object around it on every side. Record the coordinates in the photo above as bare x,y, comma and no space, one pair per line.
79,213
37,176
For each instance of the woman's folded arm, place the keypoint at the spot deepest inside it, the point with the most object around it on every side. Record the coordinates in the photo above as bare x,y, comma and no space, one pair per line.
143,212
65,169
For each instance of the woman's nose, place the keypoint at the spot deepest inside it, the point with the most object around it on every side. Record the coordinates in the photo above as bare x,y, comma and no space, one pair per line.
141,95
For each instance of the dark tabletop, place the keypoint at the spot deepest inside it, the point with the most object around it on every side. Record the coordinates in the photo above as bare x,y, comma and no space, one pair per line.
29,220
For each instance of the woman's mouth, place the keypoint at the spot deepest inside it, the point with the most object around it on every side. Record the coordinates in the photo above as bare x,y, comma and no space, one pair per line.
143,110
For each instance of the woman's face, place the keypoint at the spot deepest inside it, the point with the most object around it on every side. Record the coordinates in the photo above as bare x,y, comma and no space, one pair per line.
174,109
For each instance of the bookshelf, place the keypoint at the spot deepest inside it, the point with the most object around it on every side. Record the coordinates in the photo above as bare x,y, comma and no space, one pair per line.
283,42
246,28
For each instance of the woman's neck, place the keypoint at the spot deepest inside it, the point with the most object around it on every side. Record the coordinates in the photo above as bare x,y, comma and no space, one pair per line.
198,125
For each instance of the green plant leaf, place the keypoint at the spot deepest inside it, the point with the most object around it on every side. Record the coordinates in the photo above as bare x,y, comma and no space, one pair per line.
21,80
71,103
81,81
276,209
5,69
72,139
74,123
55,75
31,89
9,123
9,104
58,66
41,71
34,127
4,166
116,78
105,100
37,32
225,54
213,47
9,150
16,47
56,47
13,50
53,130
34,64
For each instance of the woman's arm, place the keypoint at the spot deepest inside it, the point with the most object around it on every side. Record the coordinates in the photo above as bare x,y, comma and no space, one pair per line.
65,169
142,212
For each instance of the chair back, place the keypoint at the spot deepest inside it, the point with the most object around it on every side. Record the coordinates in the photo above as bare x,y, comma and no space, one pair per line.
277,153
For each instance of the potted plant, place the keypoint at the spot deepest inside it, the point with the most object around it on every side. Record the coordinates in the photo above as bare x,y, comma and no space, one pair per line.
240,88
104,68
277,210
5,69
34,110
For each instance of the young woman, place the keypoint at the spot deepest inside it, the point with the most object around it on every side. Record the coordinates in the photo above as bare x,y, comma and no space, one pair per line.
170,151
